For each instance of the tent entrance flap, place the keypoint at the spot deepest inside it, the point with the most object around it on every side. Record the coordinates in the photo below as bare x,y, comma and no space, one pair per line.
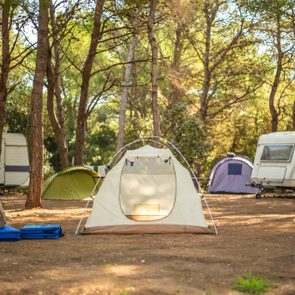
147,188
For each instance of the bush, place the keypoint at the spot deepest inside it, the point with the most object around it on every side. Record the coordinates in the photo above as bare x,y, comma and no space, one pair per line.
251,284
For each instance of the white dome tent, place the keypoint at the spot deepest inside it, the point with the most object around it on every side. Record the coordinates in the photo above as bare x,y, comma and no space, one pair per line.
147,190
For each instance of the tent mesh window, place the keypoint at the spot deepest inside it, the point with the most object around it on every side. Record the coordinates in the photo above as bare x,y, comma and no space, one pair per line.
235,169
147,188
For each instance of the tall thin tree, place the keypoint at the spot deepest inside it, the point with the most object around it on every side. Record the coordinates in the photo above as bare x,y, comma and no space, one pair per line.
125,88
86,76
54,97
279,67
36,167
12,18
5,62
154,69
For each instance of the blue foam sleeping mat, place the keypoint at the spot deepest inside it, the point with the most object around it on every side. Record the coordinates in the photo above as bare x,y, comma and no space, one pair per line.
41,231
9,234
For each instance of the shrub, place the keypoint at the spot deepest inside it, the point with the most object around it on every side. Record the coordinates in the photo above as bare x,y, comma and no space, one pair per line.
251,284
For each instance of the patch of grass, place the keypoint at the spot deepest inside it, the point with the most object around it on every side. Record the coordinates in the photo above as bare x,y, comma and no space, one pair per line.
123,292
251,284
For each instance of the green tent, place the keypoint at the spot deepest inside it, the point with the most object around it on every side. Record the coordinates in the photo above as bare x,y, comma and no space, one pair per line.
73,183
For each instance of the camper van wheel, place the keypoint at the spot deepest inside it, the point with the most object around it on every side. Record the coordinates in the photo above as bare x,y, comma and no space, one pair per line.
258,196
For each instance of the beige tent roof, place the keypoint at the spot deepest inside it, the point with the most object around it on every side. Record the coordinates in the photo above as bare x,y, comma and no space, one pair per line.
147,191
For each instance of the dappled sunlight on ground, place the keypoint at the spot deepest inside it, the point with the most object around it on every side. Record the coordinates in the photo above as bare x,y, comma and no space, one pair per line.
53,214
256,236
52,211
272,214
121,270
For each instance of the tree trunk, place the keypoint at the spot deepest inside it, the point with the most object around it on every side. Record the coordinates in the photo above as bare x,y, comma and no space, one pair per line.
174,80
293,116
35,187
57,129
56,117
276,82
206,64
124,96
86,76
154,70
5,62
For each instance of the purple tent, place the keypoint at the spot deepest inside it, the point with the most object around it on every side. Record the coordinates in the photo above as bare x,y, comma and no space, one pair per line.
230,175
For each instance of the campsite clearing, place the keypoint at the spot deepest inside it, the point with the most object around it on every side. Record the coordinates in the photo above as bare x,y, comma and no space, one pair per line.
256,236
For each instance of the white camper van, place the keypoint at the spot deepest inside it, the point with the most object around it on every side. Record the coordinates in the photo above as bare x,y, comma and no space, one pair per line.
14,161
274,164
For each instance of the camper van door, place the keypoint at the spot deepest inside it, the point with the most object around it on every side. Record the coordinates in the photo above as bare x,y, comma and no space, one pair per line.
275,158
14,160
273,174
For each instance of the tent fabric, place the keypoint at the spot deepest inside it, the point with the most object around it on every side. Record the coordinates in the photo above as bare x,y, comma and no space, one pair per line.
148,229
230,175
73,183
147,191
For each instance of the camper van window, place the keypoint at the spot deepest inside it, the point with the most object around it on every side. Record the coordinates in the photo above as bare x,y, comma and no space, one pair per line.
277,153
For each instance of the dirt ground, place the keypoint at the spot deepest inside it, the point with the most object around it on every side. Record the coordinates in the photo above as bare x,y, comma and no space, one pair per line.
256,236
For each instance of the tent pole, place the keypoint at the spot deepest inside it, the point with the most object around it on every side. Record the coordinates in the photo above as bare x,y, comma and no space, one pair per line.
122,149
194,176
210,214
165,143
87,204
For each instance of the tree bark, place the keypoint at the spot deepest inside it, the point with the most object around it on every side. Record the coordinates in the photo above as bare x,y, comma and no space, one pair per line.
276,82
175,65
35,187
124,96
175,80
57,128
213,56
206,64
5,62
154,70
86,76
293,116
53,73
